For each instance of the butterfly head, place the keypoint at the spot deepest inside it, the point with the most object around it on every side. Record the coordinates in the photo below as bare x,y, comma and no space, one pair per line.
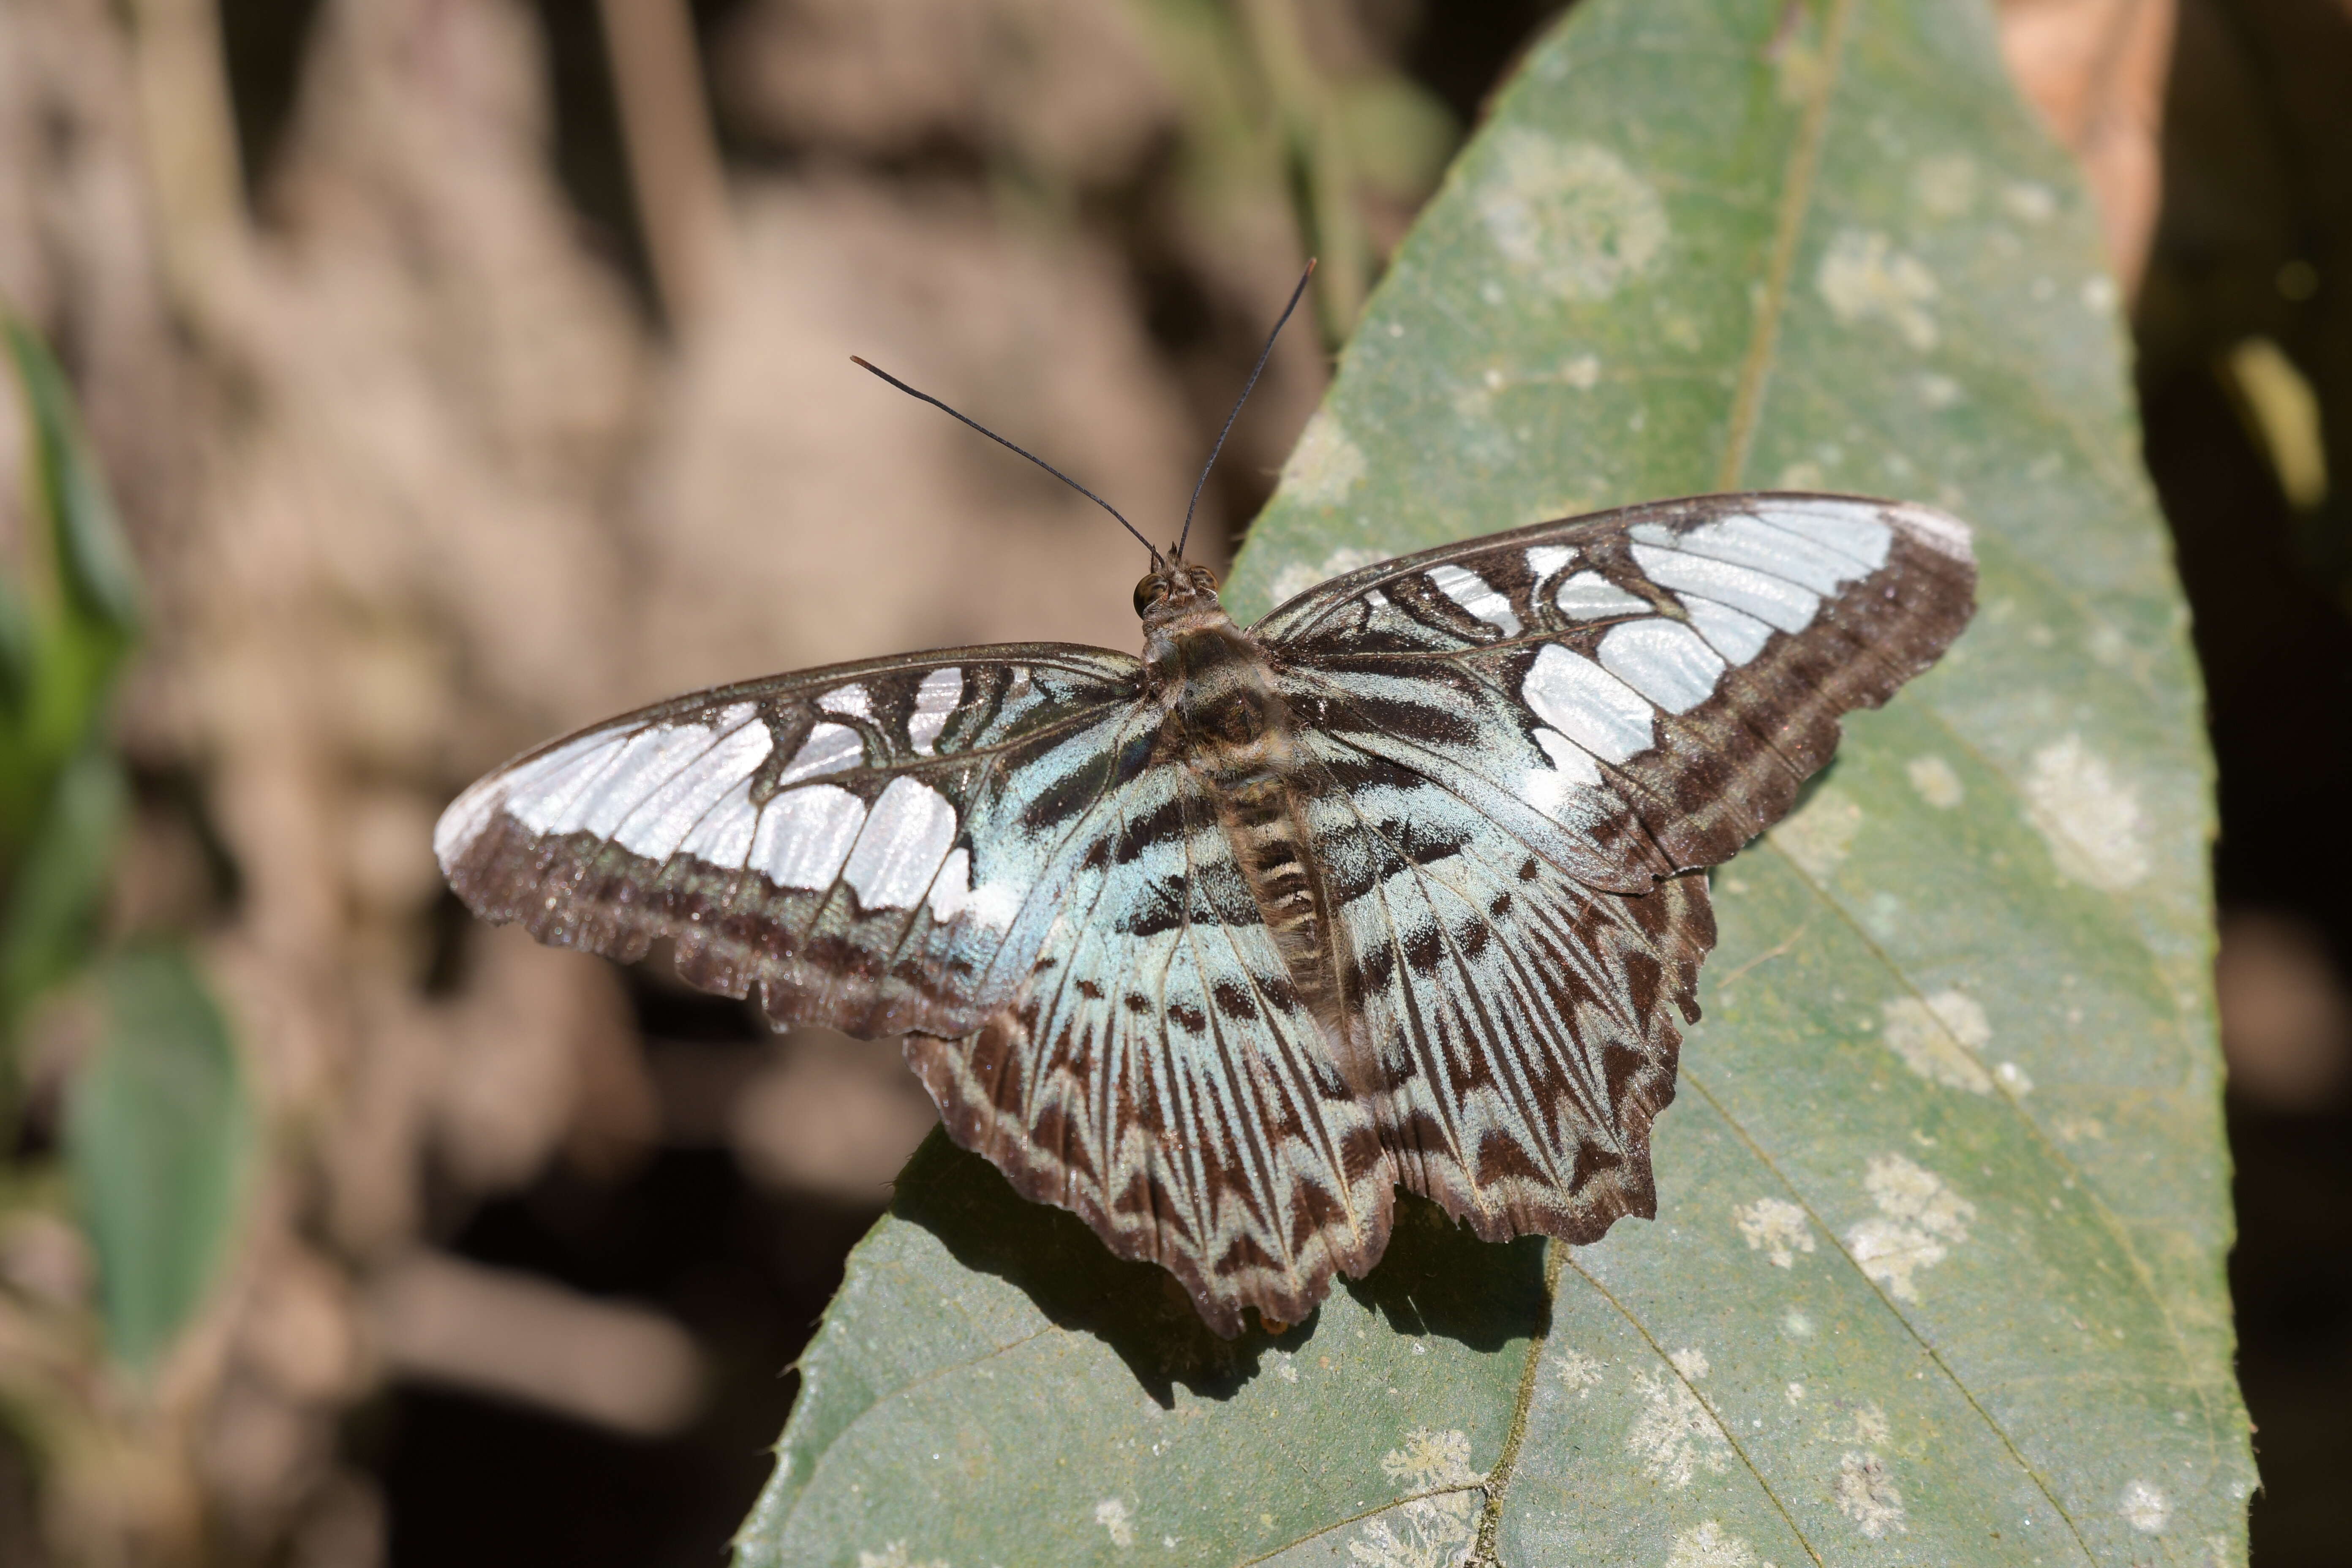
1173,591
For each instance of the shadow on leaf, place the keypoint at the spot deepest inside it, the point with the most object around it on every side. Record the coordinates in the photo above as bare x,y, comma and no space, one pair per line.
1436,1277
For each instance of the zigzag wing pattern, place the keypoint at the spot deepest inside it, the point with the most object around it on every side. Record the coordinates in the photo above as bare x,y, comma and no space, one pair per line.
1159,1074
1654,683
872,845
1527,1025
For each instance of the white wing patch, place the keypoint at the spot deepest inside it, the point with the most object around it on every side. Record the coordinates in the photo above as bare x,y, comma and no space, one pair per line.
1773,600
934,698
1476,596
649,791
992,904
1663,660
1588,704
1589,596
1551,790
850,701
899,856
829,748
1748,542
1736,636
1543,560
806,835
1853,528
723,835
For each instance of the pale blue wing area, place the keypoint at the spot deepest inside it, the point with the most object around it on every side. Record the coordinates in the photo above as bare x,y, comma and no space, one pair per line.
1641,691
1526,1024
1159,1074
872,845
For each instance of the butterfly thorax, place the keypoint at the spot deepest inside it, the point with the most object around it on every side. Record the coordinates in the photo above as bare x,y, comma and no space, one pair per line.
1228,724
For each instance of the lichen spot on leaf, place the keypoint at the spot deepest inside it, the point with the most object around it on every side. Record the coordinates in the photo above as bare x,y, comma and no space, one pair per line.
1571,215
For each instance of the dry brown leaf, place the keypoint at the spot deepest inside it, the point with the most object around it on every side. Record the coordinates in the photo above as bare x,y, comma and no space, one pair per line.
2096,72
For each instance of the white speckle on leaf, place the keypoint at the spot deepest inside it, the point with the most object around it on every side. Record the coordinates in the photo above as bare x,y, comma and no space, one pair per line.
2031,202
2099,295
1821,834
1796,1324
1871,1428
1428,1460
1937,392
894,1556
1434,1531
2145,1509
1111,1514
1578,1371
2014,1079
1776,1227
1690,1364
1796,1393
1938,1039
1866,1495
1709,1545
1326,465
1800,476
1675,1436
2092,823
1287,1371
1570,212
1946,186
1863,277
2074,1129
1582,372
1937,785
1298,577
1918,1219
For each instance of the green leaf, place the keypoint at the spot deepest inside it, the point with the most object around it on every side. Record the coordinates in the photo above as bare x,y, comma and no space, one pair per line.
50,923
1936,1273
65,630
92,562
157,1137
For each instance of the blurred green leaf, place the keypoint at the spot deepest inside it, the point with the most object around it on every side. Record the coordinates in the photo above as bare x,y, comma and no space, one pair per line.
18,646
1936,1273
65,630
159,1135
92,561
1401,132
50,924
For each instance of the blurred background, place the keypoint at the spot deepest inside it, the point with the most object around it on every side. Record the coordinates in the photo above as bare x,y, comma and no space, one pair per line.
462,371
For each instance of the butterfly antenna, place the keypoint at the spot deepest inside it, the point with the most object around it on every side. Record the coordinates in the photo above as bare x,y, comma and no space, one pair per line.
1000,441
1259,369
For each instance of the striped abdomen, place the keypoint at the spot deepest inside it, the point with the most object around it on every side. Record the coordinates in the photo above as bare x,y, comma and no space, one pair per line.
1241,747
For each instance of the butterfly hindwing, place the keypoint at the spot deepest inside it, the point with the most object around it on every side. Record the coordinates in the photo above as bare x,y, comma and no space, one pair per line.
1526,1024
1159,1074
871,845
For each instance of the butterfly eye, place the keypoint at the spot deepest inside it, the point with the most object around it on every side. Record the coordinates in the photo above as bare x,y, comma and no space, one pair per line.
1145,593
1204,579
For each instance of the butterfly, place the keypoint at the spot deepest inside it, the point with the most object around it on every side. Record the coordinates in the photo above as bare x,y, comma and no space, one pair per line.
1219,946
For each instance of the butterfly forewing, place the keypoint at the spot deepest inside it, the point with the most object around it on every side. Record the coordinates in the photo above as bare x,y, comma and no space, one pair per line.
873,844
1654,683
